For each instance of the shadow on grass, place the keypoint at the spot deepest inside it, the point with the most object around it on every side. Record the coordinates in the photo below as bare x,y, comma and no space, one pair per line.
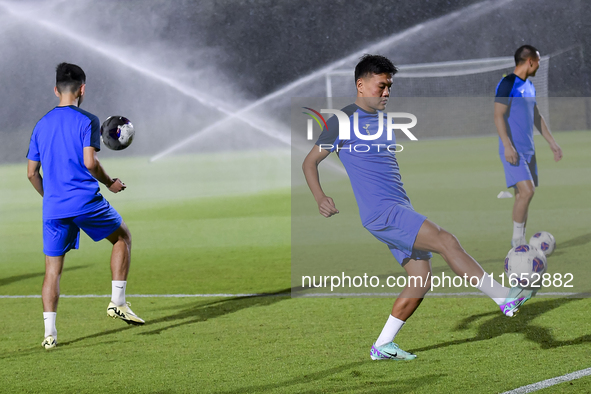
199,312
61,345
562,248
192,313
579,241
18,278
394,385
97,335
521,324
397,384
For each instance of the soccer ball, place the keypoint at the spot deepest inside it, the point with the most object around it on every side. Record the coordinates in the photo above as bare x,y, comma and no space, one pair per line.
117,132
544,242
522,262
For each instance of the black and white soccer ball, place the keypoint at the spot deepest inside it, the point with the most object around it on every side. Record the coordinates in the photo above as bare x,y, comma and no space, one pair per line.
544,242
524,265
117,132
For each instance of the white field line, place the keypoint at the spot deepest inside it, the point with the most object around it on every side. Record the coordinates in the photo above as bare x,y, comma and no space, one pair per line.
221,295
530,388
226,295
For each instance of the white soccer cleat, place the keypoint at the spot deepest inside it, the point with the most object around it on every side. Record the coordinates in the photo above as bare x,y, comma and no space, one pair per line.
49,342
124,313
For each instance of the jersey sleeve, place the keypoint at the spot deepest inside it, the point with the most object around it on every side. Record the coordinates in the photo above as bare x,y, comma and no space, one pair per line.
92,134
328,139
504,89
33,153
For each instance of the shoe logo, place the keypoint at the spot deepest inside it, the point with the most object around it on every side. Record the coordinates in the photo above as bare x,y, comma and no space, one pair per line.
118,312
391,355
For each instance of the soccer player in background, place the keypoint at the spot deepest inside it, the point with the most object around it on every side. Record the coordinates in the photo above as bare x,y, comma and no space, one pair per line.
516,113
65,143
385,208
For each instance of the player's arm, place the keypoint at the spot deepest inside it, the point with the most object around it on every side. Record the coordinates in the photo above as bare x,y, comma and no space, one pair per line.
34,175
95,167
310,167
545,131
510,153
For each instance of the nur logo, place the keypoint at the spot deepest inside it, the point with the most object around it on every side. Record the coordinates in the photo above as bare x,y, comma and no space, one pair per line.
345,125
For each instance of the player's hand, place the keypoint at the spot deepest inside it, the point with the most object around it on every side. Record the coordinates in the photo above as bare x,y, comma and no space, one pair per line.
117,186
326,207
557,152
511,155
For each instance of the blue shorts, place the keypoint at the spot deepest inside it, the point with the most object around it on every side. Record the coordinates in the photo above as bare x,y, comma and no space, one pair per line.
61,235
525,170
399,229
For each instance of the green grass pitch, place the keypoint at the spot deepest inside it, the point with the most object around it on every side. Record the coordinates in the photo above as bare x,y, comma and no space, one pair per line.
194,233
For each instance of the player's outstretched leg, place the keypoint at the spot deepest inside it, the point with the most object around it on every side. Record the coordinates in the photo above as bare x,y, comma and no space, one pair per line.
433,238
407,302
120,260
50,294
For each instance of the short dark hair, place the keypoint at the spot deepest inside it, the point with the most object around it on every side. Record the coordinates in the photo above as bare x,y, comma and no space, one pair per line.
374,64
523,53
69,77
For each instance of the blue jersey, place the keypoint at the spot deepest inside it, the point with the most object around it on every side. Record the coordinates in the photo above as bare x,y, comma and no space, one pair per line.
520,97
58,142
371,166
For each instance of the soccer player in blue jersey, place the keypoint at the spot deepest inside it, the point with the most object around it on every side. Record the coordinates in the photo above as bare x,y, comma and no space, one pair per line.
516,113
385,208
64,143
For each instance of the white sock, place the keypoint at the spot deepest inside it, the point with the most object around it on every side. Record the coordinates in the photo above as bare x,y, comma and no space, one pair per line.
49,320
518,230
393,325
493,289
118,292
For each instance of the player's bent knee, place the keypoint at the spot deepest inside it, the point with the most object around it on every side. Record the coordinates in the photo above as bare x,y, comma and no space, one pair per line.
419,281
530,193
447,242
121,234
527,194
416,292
526,191
127,238
418,285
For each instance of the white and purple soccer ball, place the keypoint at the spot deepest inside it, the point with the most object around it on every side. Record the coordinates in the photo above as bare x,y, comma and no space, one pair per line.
522,262
544,242
117,132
